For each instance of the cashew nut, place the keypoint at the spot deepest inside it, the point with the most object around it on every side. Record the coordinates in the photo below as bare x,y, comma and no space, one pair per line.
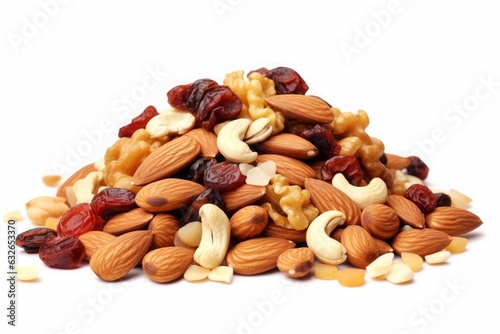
375,192
258,131
215,235
230,141
86,188
170,121
325,248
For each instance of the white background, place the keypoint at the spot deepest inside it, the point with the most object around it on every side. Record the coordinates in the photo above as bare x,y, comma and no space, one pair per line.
68,67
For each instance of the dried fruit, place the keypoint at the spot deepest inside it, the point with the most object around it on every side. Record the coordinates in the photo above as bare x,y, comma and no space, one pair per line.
286,80
32,239
110,201
77,220
62,252
351,277
422,196
457,245
138,122
347,165
223,176
325,271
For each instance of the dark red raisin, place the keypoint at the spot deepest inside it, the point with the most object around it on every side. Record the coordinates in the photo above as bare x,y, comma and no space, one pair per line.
422,196
62,252
111,201
197,92
347,165
417,168
211,196
31,239
177,96
322,137
139,122
218,104
196,170
223,176
442,199
79,219
287,81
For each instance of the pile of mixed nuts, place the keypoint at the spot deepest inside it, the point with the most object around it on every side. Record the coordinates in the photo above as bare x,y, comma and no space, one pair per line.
244,177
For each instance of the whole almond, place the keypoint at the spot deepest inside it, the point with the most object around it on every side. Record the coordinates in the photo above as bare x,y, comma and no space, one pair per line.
296,171
301,107
452,220
131,220
166,264
121,255
167,160
164,227
288,144
407,211
207,140
383,246
380,221
421,241
257,255
94,240
296,262
360,247
325,197
273,230
242,196
248,222
168,194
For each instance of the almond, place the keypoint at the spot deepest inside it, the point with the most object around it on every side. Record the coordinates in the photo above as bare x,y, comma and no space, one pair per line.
167,160
164,227
248,222
207,140
452,220
131,220
407,211
395,161
301,107
296,171
380,221
273,230
257,255
296,262
382,246
360,247
242,196
121,255
79,174
421,241
288,144
166,264
168,194
325,197
94,240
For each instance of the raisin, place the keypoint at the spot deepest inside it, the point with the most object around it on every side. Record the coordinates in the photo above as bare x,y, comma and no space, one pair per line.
211,196
110,201
177,96
417,168
196,170
422,196
322,137
62,252
287,81
31,239
223,176
79,219
197,92
442,199
347,165
218,104
139,122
